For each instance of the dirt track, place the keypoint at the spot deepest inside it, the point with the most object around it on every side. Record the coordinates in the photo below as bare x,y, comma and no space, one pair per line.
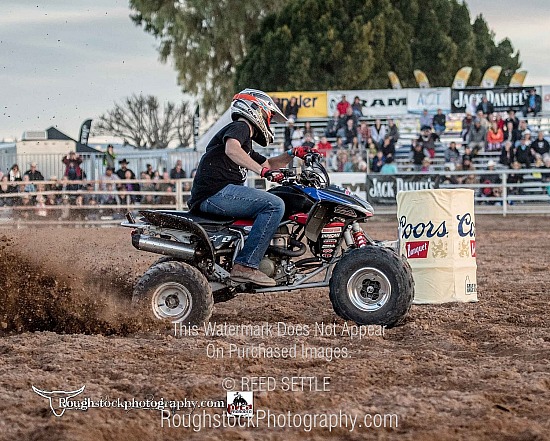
461,371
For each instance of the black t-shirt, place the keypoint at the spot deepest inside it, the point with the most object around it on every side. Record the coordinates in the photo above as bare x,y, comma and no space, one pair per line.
216,170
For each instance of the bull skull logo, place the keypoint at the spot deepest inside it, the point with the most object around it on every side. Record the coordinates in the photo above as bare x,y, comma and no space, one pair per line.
57,394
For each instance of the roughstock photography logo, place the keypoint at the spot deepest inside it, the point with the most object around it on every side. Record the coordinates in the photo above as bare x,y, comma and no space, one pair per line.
59,396
240,403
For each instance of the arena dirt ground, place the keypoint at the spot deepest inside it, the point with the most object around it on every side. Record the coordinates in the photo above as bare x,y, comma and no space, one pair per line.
458,371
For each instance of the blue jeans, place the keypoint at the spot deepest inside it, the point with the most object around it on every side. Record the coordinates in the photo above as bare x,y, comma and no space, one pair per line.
249,203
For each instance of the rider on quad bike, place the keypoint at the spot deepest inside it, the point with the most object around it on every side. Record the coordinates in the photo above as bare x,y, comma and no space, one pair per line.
218,185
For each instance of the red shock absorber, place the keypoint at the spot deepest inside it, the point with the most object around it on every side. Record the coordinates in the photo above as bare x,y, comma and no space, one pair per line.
358,236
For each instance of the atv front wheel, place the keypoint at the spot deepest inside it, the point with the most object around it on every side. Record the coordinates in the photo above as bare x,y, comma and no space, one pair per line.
175,292
372,286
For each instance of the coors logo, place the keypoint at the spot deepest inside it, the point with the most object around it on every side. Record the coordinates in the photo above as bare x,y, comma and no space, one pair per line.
417,250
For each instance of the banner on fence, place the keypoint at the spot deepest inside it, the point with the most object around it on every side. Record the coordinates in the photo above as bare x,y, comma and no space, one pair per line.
375,102
354,182
431,99
312,104
502,97
545,95
383,189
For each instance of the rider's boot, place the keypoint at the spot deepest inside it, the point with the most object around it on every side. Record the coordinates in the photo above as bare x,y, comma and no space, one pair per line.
245,274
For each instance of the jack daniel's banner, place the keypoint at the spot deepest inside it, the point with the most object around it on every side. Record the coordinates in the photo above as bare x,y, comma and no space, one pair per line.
382,189
503,98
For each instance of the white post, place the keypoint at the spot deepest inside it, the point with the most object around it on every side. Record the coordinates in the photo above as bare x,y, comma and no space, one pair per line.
503,178
179,195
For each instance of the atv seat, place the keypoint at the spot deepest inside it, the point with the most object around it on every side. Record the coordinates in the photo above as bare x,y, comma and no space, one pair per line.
166,217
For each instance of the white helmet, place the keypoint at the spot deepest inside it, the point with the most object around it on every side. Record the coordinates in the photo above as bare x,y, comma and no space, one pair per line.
259,109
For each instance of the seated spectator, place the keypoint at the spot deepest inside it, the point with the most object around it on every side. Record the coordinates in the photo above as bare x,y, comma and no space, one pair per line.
363,133
109,176
121,172
149,171
511,134
130,187
378,132
507,155
291,108
484,120
500,122
447,178
417,155
371,147
540,146
523,128
471,107
545,171
41,211
5,188
427,140
467,124
165,183
426,120
439,122
14,175
512,118
351,116
309,130
393,131
355,146
308,141
149,185
522,153
495,137
342,162
34,174
24,207
357,164
350,132
452,154
533,103
333,124
343,105
515,178
477,138
339,145
324,147
65,211
490,179
177,172
486,107
388,147
378,162
357,107
426,166
112,197
29,187
389,167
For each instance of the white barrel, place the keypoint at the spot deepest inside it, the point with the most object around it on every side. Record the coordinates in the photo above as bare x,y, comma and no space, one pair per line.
437,235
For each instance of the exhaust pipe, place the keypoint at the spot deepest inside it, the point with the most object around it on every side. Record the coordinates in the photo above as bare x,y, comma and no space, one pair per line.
163,246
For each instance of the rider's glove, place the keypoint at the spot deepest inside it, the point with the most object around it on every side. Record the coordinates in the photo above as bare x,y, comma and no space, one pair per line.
301,151
272,175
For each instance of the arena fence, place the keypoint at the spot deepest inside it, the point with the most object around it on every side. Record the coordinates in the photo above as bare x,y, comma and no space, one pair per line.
92,203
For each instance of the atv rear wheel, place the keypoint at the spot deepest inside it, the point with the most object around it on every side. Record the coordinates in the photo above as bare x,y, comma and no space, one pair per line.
175,292
372,286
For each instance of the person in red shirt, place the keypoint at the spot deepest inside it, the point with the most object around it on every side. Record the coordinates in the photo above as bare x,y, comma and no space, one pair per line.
324,147
343,105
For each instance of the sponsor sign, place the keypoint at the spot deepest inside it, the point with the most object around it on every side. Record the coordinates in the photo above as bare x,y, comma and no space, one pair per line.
352,182
382,189
545,95
417,250
381,102
503,98
431,99
312,104
473,248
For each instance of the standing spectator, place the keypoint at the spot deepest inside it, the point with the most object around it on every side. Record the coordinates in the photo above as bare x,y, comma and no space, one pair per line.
495,137
357,107
324,147
289,132
393,131
477,137
291,108
14,174
121,172
109,157
278,103
426,119
5,189
452,155
486,107
523,153
533,103
467,124
507,156
377,162
343,105
333,124
389,167
512,118
439,122
378,132
540,146
73,172
34,174
149,171
471,108
427,140
177,172
132,198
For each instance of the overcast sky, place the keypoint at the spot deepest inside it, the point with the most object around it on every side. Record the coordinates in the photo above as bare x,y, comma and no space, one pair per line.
63,61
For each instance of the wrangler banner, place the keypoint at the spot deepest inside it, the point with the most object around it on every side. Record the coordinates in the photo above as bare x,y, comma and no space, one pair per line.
382,189
312,104
503,98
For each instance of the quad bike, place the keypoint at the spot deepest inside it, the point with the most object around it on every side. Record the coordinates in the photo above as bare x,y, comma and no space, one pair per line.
369,283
